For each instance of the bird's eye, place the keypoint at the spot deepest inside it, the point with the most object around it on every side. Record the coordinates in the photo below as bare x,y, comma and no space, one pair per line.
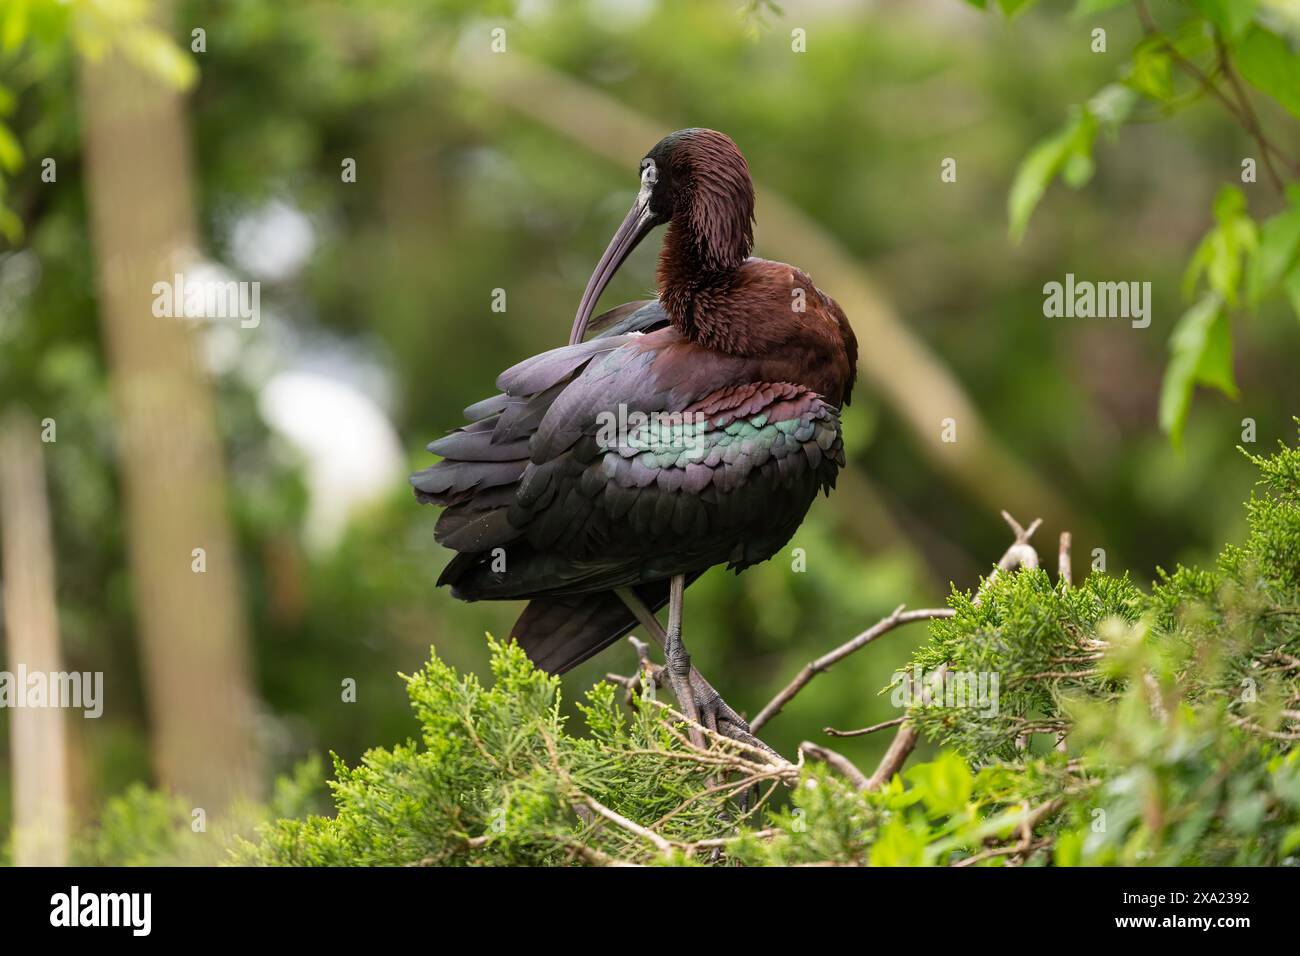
649,174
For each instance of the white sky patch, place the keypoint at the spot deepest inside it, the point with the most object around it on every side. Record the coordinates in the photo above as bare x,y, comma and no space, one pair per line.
351,453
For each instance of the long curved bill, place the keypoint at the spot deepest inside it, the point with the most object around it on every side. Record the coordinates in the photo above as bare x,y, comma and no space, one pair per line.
640,220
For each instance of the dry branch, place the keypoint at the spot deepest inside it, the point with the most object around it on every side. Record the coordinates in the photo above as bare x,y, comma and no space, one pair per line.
836,760
812,669
1026,844
899,750
832,732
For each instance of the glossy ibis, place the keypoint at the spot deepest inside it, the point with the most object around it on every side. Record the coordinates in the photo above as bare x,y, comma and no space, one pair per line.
691,430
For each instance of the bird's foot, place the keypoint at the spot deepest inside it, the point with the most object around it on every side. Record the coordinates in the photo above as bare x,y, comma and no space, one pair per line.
711,711
718,716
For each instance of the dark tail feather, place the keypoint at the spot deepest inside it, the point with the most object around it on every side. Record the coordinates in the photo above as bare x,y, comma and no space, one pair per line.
560,633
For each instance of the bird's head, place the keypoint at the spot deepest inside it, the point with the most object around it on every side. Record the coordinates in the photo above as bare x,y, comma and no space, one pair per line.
697,180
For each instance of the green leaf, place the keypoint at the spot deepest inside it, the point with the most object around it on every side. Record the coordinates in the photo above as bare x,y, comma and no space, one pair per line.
1202,354
14,29
1220,255
1069,848
1267,62
1078,169
1086,8
1032,178
1232,17
1152,70
1279,243
1215,367
11,227
1290,842
11,154
1067,153
1013,8
1229,203
898,845
945,783
1191,39
1291,288
1044,162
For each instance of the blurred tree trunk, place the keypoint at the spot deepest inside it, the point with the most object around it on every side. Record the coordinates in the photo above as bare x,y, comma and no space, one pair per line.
38,735
190,620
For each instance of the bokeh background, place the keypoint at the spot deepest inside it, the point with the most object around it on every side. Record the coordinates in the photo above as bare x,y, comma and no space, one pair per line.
288,444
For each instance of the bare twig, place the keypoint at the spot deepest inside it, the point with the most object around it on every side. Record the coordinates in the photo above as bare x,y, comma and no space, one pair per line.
836,760
1022,534
776,775
1248,118
663,845
899,750
1157,697
648,671
1020,554
584,804
1063,568
1014,850
1026,842
812,669
865,730
596,857
723,841
1256,729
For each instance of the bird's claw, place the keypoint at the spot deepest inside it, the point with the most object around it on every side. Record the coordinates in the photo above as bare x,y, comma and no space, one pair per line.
711,711
716,714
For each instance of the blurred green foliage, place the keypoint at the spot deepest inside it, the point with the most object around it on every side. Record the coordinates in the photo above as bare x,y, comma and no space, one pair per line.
1208,44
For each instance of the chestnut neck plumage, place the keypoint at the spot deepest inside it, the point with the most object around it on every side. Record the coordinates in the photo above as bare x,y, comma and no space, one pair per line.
697,275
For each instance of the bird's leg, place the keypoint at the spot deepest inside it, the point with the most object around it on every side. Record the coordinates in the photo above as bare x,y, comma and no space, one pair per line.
677,660
713,711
